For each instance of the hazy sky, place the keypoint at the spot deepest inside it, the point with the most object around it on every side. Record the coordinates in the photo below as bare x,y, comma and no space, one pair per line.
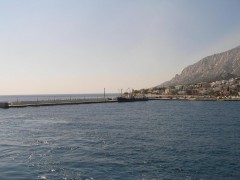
83,46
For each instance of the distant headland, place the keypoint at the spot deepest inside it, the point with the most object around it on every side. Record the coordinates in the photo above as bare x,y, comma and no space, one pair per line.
213,77
222,66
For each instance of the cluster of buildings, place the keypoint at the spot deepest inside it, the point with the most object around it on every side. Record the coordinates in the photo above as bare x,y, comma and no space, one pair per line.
222,88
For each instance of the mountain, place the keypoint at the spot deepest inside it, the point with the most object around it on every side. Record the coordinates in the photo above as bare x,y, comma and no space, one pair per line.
220,66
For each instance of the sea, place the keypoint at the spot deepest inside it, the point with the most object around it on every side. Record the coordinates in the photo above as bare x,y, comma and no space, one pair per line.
162,139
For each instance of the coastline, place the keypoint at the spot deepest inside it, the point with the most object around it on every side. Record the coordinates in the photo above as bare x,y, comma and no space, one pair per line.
192,98
58,102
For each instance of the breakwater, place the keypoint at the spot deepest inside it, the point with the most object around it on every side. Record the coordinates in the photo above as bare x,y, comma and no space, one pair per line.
4,105
57,102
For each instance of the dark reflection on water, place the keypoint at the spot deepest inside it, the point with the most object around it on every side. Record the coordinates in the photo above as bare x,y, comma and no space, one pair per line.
142,140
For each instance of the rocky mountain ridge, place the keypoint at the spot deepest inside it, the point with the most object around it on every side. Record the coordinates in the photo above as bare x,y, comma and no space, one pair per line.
220,66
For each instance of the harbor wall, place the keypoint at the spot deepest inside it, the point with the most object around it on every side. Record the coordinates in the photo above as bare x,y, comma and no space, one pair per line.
4,105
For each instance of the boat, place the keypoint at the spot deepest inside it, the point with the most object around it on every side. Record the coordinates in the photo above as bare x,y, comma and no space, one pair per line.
131,99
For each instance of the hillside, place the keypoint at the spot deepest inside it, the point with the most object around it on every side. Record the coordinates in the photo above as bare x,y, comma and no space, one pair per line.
212,68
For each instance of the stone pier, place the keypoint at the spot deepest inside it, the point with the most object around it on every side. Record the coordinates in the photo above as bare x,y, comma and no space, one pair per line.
4,105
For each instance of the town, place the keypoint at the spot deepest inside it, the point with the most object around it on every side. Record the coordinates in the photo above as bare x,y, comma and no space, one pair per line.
222,89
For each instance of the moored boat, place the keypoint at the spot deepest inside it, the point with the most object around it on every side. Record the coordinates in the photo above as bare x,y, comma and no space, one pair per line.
131,99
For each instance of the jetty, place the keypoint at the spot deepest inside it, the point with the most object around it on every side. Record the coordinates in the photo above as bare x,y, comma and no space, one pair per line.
70,101
57,102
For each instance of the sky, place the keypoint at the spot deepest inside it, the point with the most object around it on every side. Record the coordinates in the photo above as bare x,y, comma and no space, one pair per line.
84,46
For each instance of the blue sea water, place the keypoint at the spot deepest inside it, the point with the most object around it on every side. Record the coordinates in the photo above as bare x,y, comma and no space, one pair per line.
140,140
